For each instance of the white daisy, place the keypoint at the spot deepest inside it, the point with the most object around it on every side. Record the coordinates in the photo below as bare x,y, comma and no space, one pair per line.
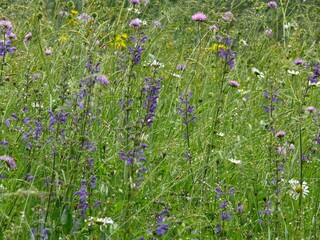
297,189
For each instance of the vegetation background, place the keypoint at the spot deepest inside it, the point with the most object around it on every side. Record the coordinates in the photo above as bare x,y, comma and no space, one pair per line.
150,121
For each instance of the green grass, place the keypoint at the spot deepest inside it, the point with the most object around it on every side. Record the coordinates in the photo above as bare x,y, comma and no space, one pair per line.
64,136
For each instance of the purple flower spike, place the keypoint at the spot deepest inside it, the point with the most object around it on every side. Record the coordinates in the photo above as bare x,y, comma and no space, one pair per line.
199,16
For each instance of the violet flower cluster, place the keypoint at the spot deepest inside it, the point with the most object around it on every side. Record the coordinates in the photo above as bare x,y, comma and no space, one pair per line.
137,50
227,54
6,30
152,91
272,97
185,109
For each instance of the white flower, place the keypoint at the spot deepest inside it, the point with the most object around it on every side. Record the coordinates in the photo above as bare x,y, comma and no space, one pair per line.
292,72
317,84
176,75
220,134
257,72
235,161
297,189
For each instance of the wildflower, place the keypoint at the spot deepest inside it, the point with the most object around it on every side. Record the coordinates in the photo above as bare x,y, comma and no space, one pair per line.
44,233
219,192
234,84
272,4
280,134
11,162
293,73
240,208
268,32
281,150
103,79
298,61
199,16
161,229
4,143
181,66
5,46
316,74
219,228
5,27
214,28
48,52
135,2
74,12
223,205
215,47
311,109
27,37
231,192
83,205
135,23
226,216
257,72
104,221
228,16
297,189
83,17
235,161
228,56
157,23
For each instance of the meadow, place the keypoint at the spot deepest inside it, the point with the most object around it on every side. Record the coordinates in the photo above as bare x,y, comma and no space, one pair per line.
159,119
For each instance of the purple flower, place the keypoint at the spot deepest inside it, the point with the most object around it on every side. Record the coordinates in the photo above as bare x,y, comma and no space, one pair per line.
161,229
316,74
135,2
48,52
240,208
44,233
311,109
157,23
272,4
4,143
27,37
227,55
214,28
226,216
103,79
29,177
199,16
219,192
268,32
181,66
5,47
135,23
280,134
10,161
219,228
231,192
234,84
228,16
84,17
223,205
298,61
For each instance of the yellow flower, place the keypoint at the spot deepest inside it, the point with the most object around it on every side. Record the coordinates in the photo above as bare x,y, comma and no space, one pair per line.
189,29
119,41
215,47
64,38
74,12
72,21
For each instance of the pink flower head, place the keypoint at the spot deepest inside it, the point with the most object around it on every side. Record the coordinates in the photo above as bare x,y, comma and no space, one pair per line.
6,24
234,84
268,32
280,134
10,161
135,2
27,37
298,61
48,52
272,4
135,23
311,109
199,16
228,16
